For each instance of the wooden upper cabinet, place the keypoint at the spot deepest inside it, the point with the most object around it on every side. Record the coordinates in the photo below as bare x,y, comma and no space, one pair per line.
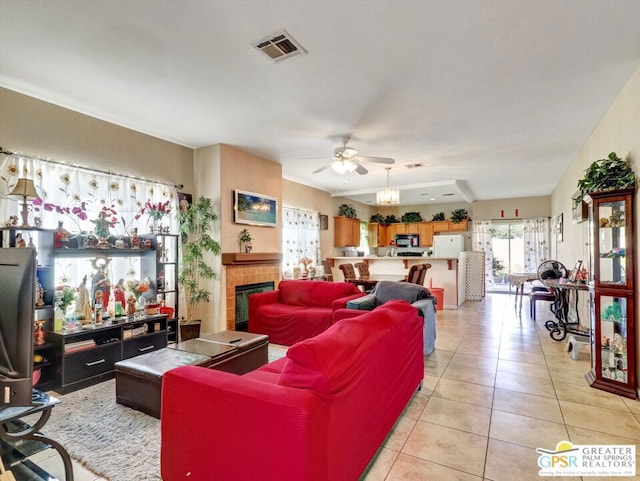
425,231
440,226
383,234
346,232
462,226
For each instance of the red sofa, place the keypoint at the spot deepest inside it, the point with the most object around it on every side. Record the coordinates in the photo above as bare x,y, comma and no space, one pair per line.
297,309
319,414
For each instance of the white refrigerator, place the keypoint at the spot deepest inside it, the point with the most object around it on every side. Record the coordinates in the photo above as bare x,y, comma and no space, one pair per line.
448,245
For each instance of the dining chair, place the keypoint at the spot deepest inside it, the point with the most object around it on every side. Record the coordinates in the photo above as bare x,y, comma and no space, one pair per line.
415,273
348,271
326,268
363,269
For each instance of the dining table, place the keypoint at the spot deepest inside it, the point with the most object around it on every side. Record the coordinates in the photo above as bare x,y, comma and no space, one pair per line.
518,280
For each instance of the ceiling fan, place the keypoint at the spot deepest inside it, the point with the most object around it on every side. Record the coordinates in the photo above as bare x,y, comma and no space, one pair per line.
346,160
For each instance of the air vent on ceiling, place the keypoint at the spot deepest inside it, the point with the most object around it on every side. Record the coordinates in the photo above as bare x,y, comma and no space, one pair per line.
415,165
279,46
447,195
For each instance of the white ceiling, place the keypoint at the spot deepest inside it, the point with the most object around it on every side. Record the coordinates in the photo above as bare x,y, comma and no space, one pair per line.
494,97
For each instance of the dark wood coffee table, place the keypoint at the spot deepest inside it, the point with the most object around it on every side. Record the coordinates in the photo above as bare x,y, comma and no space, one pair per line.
139,379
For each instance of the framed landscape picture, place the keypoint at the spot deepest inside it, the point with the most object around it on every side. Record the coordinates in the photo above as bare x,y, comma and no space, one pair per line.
255,209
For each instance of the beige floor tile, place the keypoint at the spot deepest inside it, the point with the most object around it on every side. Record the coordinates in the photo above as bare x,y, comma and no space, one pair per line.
523,347
530,385
478,350
440,355
434,368
470,360
429,383
464,392
408,468
477,375
527,358
539,407
633,404
447,446
568,376
522,369
590,396
459,415
417,403
600,419
380,466
510,462
525,431
399,433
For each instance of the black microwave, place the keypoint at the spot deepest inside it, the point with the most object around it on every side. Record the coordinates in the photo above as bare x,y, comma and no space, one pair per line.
407,240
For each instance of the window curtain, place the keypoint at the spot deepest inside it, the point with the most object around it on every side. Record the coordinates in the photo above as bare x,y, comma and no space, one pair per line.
76,195
481,241
300,238
536,236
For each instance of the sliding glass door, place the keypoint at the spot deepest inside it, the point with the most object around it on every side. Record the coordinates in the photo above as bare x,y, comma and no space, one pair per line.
507,244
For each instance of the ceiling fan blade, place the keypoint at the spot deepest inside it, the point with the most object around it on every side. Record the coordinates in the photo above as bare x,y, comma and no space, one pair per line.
361,170
324,167
378,160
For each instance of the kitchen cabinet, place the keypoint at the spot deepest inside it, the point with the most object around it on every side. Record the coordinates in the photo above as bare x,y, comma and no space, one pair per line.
425,231
346,232
440,226
613,292
462,226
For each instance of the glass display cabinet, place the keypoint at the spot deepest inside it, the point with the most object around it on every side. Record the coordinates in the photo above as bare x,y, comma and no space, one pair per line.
613,292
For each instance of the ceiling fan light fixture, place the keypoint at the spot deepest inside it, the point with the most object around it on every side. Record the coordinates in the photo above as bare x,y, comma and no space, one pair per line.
388,196
343,166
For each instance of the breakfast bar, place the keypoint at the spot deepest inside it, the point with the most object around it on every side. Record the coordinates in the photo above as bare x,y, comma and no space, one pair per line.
444,272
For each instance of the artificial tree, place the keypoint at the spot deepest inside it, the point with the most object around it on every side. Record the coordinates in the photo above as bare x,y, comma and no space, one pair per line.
196,225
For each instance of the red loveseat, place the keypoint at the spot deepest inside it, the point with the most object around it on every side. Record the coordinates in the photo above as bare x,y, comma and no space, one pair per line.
297,309
319,414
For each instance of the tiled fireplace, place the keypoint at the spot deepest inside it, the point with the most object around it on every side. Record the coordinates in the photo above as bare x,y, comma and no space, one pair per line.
243,269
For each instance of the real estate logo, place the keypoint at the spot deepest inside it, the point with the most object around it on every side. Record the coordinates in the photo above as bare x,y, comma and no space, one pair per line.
587,460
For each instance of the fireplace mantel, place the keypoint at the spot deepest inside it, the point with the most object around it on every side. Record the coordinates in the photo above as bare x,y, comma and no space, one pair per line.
250,258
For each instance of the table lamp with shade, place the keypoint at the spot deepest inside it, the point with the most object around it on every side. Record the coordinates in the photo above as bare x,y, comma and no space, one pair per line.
24,188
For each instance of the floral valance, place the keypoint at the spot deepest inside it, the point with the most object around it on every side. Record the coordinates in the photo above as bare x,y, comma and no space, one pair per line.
79,196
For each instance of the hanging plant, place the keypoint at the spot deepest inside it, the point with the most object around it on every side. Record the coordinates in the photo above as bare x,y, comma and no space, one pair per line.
438,216
408,217
347,210
612,173
459,215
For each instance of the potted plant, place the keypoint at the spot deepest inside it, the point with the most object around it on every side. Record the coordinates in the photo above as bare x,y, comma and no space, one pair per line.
379,218
245,240
391,219
409,217
347,210
459,215
196,224
612,173
438,217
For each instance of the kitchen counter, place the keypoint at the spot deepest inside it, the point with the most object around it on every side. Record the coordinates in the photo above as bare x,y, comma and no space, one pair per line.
443,272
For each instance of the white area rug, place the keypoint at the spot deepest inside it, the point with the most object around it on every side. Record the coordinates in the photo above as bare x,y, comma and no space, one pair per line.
113,441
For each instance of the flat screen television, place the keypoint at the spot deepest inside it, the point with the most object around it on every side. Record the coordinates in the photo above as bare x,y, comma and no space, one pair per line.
17,304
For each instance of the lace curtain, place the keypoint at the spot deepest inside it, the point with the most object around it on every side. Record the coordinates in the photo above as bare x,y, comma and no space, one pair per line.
300,238
481,241
84,192
536,236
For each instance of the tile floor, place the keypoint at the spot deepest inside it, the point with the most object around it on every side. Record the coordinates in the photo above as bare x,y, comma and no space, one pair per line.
496,388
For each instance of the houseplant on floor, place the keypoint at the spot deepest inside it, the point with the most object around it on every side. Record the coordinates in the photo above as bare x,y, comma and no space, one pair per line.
196,225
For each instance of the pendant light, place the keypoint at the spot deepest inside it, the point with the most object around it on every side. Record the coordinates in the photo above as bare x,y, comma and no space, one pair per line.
388,196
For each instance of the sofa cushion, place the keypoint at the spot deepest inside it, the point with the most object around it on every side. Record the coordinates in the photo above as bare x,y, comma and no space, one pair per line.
330,361
314,294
